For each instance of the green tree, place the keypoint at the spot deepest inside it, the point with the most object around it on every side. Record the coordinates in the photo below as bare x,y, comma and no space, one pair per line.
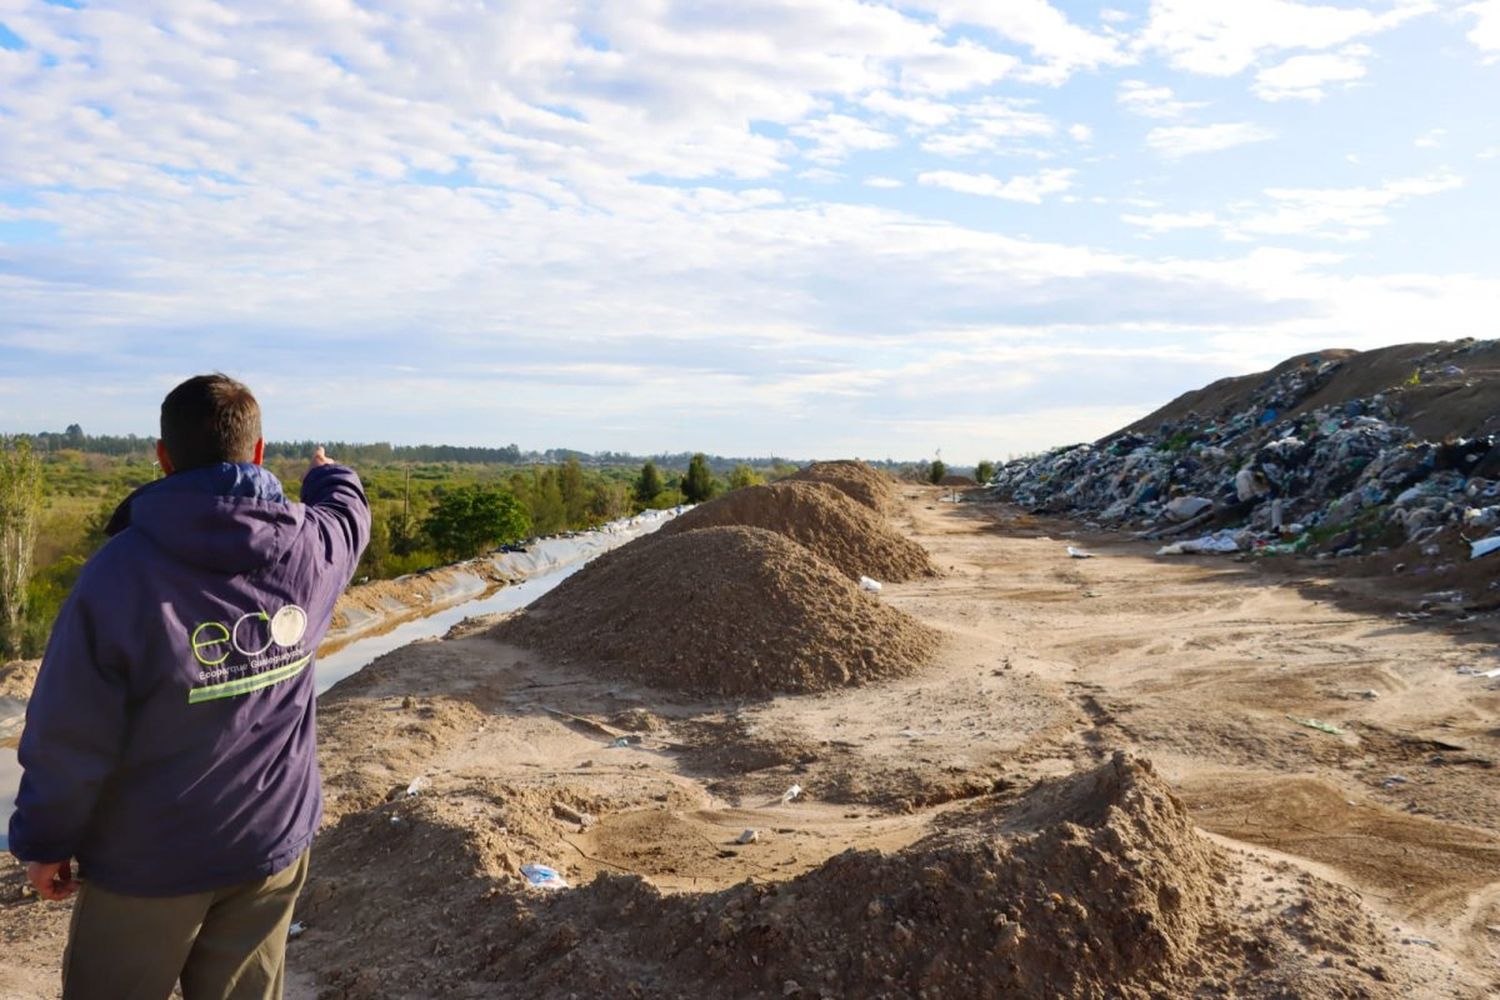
742,475
20,510
698,485
648,484
549,514
984,471
937,472
575,493
608,501
467,520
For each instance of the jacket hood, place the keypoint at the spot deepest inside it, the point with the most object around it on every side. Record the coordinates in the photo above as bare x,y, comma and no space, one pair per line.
229,518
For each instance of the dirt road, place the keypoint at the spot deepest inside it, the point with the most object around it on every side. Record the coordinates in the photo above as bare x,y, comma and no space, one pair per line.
1364,855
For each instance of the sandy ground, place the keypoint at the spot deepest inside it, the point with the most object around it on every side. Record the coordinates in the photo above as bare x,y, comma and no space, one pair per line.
1050,664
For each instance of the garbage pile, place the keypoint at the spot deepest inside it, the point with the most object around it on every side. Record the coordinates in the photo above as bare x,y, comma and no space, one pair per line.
1276,476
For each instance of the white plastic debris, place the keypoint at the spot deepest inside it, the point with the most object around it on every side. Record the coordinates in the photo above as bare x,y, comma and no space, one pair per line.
1214,544
873,586
748,837
1079,553
417,784
1186,508
542,877
1484,547
791,793
295,930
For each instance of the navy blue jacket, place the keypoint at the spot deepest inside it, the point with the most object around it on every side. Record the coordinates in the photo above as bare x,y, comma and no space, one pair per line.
170,743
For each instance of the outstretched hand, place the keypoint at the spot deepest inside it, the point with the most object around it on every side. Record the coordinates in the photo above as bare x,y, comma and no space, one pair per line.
319,457
52,880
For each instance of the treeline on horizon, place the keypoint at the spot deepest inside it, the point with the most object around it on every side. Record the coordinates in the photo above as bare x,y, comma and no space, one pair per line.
383,452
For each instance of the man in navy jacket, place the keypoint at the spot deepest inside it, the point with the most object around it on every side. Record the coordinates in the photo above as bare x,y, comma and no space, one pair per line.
170,746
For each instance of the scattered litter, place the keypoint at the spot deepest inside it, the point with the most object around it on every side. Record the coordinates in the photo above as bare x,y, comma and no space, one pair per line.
296,930
873,586
791,793
748,837
542,877
563,811
1320,726
1079,553
417,785
1393,780
620,742
1484,547
1423,942
395,821
1217,543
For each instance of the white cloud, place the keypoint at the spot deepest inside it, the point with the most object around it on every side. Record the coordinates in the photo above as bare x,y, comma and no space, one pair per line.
1431,139
988,125
1336,213
1308,77
1031,189
1486,30
835,137
1062,46
919,110
1342,214
1222,39
883,182
1177,141
1080,132
1167,222
1141,98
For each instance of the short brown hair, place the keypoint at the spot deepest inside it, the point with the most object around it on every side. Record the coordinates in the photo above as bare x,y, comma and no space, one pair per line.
209,419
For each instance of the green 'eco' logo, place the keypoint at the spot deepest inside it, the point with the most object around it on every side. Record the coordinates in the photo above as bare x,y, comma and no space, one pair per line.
213,642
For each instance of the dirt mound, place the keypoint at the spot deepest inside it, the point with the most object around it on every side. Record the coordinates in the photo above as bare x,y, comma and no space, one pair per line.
822,517
722,611
1095,886
958,481
862,482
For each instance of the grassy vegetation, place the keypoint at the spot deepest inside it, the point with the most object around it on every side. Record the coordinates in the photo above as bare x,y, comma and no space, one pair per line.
83,489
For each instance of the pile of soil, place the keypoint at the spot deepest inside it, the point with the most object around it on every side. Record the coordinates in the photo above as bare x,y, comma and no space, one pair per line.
728,611
822,517
1095,885
861,481
958,481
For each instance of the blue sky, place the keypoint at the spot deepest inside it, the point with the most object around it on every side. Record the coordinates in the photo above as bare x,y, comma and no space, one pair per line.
813,227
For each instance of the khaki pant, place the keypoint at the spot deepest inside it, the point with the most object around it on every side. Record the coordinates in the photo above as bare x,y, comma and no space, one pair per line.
224,945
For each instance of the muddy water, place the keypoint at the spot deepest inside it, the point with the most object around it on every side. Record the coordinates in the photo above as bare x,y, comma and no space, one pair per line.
548,563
